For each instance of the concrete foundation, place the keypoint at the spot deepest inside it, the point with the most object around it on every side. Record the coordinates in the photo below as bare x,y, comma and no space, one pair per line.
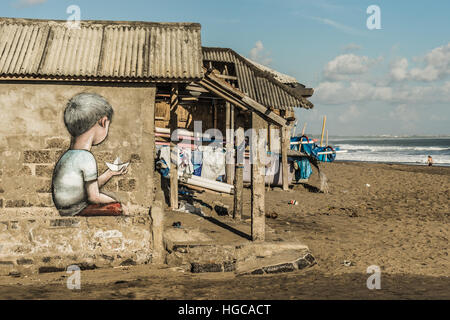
52,243
202,244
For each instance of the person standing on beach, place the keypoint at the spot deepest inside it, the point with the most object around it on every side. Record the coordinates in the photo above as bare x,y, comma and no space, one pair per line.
430,161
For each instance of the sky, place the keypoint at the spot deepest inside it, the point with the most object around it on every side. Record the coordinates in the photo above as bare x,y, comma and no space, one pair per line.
394,80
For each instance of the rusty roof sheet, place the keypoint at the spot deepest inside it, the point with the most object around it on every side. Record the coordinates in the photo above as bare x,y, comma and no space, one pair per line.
259,84
102,50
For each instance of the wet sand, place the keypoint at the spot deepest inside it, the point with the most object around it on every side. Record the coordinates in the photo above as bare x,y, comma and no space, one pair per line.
393,216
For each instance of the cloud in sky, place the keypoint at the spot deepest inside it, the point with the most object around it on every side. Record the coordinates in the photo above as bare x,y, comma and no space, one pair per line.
337,25
347,64
28,3
343,92
399,69
259,54
343,83
435,66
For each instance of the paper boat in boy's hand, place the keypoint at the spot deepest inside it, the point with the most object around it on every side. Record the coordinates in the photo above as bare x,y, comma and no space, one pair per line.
117,166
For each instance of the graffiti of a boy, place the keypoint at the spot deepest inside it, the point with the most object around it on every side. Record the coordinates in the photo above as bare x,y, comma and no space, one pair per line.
75,183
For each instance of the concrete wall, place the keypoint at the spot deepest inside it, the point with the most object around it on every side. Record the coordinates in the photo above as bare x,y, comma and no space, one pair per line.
33,137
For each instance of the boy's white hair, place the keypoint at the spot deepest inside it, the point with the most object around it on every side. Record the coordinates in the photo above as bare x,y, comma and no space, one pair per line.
84,110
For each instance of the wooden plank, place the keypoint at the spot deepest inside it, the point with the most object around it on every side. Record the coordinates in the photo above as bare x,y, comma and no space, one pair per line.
258,184
305,92
173,123
239,174
196,88
226,77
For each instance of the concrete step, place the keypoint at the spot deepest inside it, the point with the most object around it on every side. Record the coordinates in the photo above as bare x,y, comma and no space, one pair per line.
285,261
243,259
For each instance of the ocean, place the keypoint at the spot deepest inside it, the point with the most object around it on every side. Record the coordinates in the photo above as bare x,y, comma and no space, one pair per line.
394,150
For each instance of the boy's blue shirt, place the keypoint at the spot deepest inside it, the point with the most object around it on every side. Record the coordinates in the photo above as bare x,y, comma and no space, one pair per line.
73,170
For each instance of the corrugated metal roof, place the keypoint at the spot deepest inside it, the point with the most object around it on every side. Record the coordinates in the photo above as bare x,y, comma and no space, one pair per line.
259,84
139,51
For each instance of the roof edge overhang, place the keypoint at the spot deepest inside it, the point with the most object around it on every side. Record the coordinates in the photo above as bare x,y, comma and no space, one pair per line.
105,22
297,94
95,79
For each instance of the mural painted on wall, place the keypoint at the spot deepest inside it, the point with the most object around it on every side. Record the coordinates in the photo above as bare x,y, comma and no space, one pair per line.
76,184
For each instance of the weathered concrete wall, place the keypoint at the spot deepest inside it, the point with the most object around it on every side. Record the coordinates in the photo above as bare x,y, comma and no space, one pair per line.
33,137
53,244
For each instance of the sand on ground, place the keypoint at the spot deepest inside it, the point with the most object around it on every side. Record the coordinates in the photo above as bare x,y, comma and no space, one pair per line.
389,215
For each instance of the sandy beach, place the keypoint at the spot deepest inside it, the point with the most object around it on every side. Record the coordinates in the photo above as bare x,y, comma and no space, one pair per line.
393,216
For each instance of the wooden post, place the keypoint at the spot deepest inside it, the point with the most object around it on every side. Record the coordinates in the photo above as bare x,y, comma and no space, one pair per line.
258,183
173,148
285,146
215,113
229,166
323,130
239,174
232,141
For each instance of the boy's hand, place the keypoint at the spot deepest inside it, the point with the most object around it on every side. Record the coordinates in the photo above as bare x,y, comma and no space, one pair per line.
122,171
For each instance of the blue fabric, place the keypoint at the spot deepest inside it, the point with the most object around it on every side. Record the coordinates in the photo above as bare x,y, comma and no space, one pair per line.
305,169
197,160
164,170
197,170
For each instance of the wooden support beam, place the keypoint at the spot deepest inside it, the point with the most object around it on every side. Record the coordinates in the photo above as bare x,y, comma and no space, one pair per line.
234,96
232,141
229,163
258,183
239,174
173,122
285,146
305,92
215,115
226,77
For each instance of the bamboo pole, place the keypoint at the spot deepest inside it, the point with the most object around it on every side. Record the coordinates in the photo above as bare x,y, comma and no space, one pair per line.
326,144
323,130
304,128
173,148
